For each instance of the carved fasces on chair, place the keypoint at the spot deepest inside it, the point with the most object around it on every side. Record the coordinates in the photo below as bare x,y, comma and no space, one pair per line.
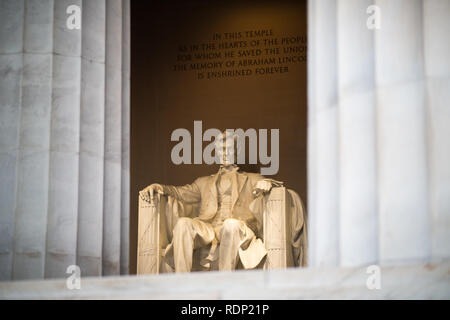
152,235
277,229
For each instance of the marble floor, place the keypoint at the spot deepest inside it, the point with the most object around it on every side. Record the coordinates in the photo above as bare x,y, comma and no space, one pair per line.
414,281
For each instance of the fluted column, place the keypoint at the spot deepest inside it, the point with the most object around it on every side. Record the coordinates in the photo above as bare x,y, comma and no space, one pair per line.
64,145
402,134
61,142
393,86
357,142
34,137
125,143
436,22
11,63
113,138
323,161
90,186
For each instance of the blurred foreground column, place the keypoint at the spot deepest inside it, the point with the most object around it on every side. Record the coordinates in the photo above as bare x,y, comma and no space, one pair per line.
53,111
379,179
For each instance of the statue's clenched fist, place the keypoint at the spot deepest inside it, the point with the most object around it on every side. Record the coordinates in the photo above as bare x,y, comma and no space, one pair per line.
265,185
262,186
147,193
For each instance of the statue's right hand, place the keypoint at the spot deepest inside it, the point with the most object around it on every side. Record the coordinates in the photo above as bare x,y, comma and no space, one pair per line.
147,193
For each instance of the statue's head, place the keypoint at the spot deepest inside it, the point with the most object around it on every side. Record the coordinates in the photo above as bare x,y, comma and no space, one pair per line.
227,148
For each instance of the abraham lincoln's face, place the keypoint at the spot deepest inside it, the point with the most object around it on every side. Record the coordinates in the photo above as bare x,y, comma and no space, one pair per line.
226,149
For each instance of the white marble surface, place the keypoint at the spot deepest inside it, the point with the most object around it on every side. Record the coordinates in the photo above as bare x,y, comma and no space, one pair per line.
34,130
402,134
323,183
92,132
378,173
11,26
64,163
113,139
11,63
38,36
10,104
324,250
420,281
437,68
94,30
52,114
66,42
358,219
125,143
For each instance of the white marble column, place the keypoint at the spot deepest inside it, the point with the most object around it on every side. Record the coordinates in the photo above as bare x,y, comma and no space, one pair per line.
61,143
90,185
323,160
357,143
11,62
64,145
34,130
402,134
392,124
125,144
113,139
436,22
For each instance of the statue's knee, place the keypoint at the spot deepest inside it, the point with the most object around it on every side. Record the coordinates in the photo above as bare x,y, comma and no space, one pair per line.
182,224
231,225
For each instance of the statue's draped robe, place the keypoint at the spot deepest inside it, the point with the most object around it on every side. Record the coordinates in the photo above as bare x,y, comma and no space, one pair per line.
199,201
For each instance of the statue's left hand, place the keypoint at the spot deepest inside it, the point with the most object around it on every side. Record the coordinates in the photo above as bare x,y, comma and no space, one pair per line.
147,193
262,186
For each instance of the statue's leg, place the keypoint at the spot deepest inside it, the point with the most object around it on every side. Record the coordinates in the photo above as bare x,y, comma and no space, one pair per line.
189,234
232,235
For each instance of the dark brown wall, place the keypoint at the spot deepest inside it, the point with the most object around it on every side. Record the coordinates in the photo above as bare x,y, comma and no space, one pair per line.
163,100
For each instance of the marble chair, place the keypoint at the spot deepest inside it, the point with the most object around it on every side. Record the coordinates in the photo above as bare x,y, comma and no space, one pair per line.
283,223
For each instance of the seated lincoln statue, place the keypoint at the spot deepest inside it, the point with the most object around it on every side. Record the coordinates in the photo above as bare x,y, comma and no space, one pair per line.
219,219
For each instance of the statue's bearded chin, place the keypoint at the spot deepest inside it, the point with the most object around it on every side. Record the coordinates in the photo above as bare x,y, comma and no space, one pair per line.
227,161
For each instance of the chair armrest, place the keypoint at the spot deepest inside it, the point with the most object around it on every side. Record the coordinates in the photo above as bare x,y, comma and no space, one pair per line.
151,235
277,228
